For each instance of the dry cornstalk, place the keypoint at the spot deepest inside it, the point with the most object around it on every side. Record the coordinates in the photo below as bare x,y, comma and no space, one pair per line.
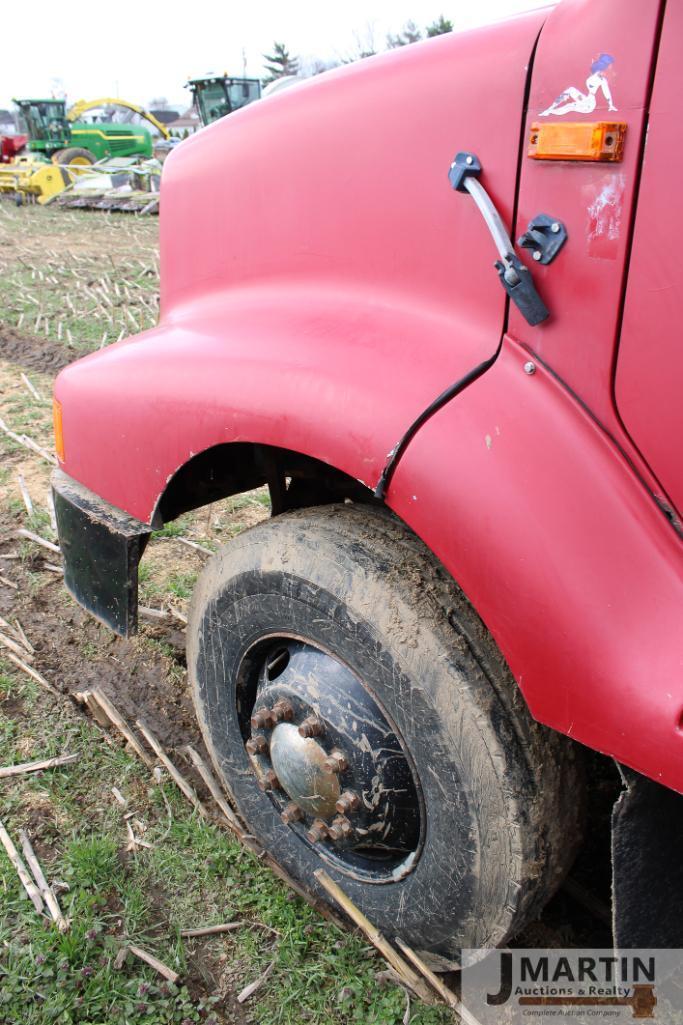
212,930
120,958
401,967
120,799
177,614
249,990
35,447
154,963
25,495
84,697
8,627
148,613
39,540
212,785
32,388
38,766
33,673
19,631
133,840
120,723
173,772
18,649
10,434
50,503
45,890
446,994
29,443
53,569
26,881
8,583
190,544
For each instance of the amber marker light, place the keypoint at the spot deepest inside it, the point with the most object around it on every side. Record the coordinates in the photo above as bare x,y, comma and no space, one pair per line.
59,433
577,140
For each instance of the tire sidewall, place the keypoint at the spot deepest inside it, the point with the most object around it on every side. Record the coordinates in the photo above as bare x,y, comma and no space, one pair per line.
467,856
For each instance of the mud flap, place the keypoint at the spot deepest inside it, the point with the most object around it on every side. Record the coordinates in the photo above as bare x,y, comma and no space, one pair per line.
647,865
101,547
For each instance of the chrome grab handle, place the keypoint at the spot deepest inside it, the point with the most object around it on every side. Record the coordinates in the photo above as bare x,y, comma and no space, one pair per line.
492,218
514,275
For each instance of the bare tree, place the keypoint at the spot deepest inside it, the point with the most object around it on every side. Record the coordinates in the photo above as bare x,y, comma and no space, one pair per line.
364,45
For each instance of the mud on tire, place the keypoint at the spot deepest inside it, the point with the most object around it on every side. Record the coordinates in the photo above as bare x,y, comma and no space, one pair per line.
500,795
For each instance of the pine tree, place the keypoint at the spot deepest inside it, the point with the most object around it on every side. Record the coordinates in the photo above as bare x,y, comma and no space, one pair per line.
439,27
279,63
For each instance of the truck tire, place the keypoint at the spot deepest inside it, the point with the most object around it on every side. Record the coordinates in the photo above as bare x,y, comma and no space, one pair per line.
364,722
75,156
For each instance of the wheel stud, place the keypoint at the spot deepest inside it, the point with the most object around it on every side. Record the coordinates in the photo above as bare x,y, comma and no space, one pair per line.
341,829
262,719
335,763
283,711
258,745
317,832
348,802
271,777
312,727
292,813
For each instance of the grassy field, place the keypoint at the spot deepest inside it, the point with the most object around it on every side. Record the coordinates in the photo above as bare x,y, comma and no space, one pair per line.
69,283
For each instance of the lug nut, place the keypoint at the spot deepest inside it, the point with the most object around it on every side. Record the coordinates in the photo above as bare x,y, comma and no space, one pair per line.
258,745
283,711
335,763
317,832
312,727
262,719
348,802
341,829
292,813
271,777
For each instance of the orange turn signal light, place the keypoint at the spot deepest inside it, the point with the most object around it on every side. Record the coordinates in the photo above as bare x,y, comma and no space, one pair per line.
577,140
59,433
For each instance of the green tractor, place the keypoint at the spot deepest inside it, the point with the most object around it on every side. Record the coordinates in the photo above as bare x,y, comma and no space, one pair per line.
53,135
218,95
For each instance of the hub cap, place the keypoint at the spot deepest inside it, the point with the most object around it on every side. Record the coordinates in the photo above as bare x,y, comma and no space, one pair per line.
335,769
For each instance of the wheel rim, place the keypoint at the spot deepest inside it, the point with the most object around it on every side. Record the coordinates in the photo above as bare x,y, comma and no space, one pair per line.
328,758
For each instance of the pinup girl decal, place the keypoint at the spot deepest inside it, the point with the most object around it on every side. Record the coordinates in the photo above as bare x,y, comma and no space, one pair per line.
573,99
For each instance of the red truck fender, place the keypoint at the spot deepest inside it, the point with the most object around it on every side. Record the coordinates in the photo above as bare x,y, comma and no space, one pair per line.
331,377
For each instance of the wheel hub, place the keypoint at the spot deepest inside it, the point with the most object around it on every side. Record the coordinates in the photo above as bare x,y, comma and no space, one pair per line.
299,764
331,763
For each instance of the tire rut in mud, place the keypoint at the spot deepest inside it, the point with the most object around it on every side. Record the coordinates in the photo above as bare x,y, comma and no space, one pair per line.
34,353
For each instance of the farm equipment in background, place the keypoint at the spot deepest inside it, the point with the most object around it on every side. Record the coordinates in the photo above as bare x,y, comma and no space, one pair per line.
217,95
11,146
59,136
28,176
58,143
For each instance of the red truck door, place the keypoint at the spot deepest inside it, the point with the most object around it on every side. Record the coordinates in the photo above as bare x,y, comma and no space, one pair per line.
593,63
649,379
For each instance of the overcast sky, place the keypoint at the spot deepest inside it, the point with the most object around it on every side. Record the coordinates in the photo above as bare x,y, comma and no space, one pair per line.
149,49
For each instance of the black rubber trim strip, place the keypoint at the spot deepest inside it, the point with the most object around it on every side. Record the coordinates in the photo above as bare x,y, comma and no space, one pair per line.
426,414
472,375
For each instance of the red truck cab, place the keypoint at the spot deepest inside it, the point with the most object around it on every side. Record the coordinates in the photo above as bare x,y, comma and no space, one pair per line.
473,451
